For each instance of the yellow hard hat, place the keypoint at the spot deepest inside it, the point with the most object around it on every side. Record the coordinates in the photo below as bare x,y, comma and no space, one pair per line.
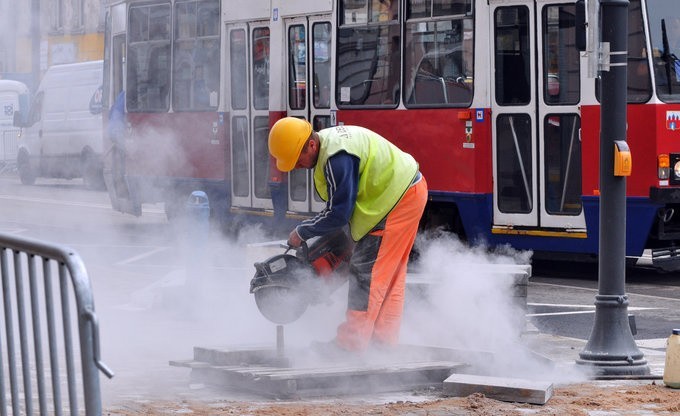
286,140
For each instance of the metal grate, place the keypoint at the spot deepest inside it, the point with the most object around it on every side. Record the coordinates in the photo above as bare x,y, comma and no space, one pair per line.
9,149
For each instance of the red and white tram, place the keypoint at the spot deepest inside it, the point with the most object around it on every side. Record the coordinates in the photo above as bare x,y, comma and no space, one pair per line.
491,97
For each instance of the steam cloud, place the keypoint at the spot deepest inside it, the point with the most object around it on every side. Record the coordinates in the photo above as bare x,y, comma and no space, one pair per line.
471,307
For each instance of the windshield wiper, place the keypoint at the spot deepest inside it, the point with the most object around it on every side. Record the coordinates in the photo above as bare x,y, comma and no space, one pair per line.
667,56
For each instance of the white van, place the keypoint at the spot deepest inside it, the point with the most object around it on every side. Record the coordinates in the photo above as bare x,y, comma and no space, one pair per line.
62,133
13,97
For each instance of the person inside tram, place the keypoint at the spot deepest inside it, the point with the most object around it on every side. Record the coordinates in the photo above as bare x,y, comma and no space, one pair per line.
386,10
377,190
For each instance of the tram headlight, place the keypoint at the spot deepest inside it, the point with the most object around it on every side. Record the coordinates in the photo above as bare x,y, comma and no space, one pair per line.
675,165
663,163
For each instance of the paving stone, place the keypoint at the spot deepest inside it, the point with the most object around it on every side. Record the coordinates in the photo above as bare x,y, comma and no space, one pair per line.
499,388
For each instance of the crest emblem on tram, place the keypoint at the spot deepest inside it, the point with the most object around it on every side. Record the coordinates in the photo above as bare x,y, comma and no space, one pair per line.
673,120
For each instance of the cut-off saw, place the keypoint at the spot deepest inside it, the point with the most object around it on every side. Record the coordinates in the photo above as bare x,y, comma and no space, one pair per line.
285,284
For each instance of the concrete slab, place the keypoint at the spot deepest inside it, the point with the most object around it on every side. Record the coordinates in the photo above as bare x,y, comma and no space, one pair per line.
499,388
264,372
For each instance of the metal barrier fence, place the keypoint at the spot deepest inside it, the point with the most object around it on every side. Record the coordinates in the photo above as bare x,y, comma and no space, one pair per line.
9,150
37,282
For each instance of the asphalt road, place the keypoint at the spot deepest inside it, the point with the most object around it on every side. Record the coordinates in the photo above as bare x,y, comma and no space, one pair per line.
560,298
160,290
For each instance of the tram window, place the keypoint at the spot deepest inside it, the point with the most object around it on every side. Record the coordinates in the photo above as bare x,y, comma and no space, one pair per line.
664,29
297,183
297,67
261,68
639,78
139,24
562,164
208,18
321,68
368,54
368,11
197,18
514,163
322,122
240,157
561,61
261,157
239,71
429,8
639,81
185,20
148,69
451,7
512,56
438,63
118,47
368,66
149,23
196,64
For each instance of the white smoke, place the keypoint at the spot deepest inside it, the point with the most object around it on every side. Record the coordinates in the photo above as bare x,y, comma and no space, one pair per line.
201,299
475,303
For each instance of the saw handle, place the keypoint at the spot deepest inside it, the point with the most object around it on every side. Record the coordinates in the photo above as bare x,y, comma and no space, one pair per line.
301,252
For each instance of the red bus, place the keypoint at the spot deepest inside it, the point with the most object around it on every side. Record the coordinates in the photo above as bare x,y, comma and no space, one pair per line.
493,99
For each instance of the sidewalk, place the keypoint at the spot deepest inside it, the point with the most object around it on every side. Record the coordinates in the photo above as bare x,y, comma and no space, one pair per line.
564,351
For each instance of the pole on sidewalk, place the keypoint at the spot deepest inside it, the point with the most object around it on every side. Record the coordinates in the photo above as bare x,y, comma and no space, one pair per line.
611,349
35,44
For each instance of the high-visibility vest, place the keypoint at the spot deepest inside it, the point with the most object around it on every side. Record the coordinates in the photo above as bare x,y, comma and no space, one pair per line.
385,173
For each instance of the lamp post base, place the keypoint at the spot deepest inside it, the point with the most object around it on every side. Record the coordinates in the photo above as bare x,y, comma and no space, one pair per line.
615,369
611,349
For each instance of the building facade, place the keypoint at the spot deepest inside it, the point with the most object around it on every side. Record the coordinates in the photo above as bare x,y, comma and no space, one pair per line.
68,31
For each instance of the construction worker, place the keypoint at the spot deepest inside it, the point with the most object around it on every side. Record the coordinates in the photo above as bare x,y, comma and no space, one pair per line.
375,188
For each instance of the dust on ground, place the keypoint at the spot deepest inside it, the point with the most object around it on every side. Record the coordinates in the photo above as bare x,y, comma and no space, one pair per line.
649,397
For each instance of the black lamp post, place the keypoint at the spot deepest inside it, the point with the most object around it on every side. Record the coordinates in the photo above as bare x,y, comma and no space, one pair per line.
611,348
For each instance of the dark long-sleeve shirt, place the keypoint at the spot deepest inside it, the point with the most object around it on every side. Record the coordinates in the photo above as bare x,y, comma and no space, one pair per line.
342,175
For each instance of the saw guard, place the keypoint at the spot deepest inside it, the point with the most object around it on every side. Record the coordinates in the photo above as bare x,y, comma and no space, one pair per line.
280,305
284,285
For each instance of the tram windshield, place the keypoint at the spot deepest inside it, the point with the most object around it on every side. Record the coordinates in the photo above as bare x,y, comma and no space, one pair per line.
664,29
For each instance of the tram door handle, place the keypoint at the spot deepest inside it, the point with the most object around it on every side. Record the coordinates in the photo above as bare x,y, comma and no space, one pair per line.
214,139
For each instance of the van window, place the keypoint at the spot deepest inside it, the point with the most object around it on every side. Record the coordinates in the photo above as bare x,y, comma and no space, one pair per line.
36,108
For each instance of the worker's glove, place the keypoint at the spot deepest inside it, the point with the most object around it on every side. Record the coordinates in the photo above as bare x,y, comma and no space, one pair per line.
294,239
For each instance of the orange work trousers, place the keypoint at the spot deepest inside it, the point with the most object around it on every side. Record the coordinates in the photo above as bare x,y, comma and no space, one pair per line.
378,275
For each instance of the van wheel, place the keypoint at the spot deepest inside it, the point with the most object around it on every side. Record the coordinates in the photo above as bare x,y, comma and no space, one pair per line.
26,174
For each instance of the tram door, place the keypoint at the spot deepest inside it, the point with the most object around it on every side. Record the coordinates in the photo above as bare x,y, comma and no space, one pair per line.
114,83
309,67
535,116
248,75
